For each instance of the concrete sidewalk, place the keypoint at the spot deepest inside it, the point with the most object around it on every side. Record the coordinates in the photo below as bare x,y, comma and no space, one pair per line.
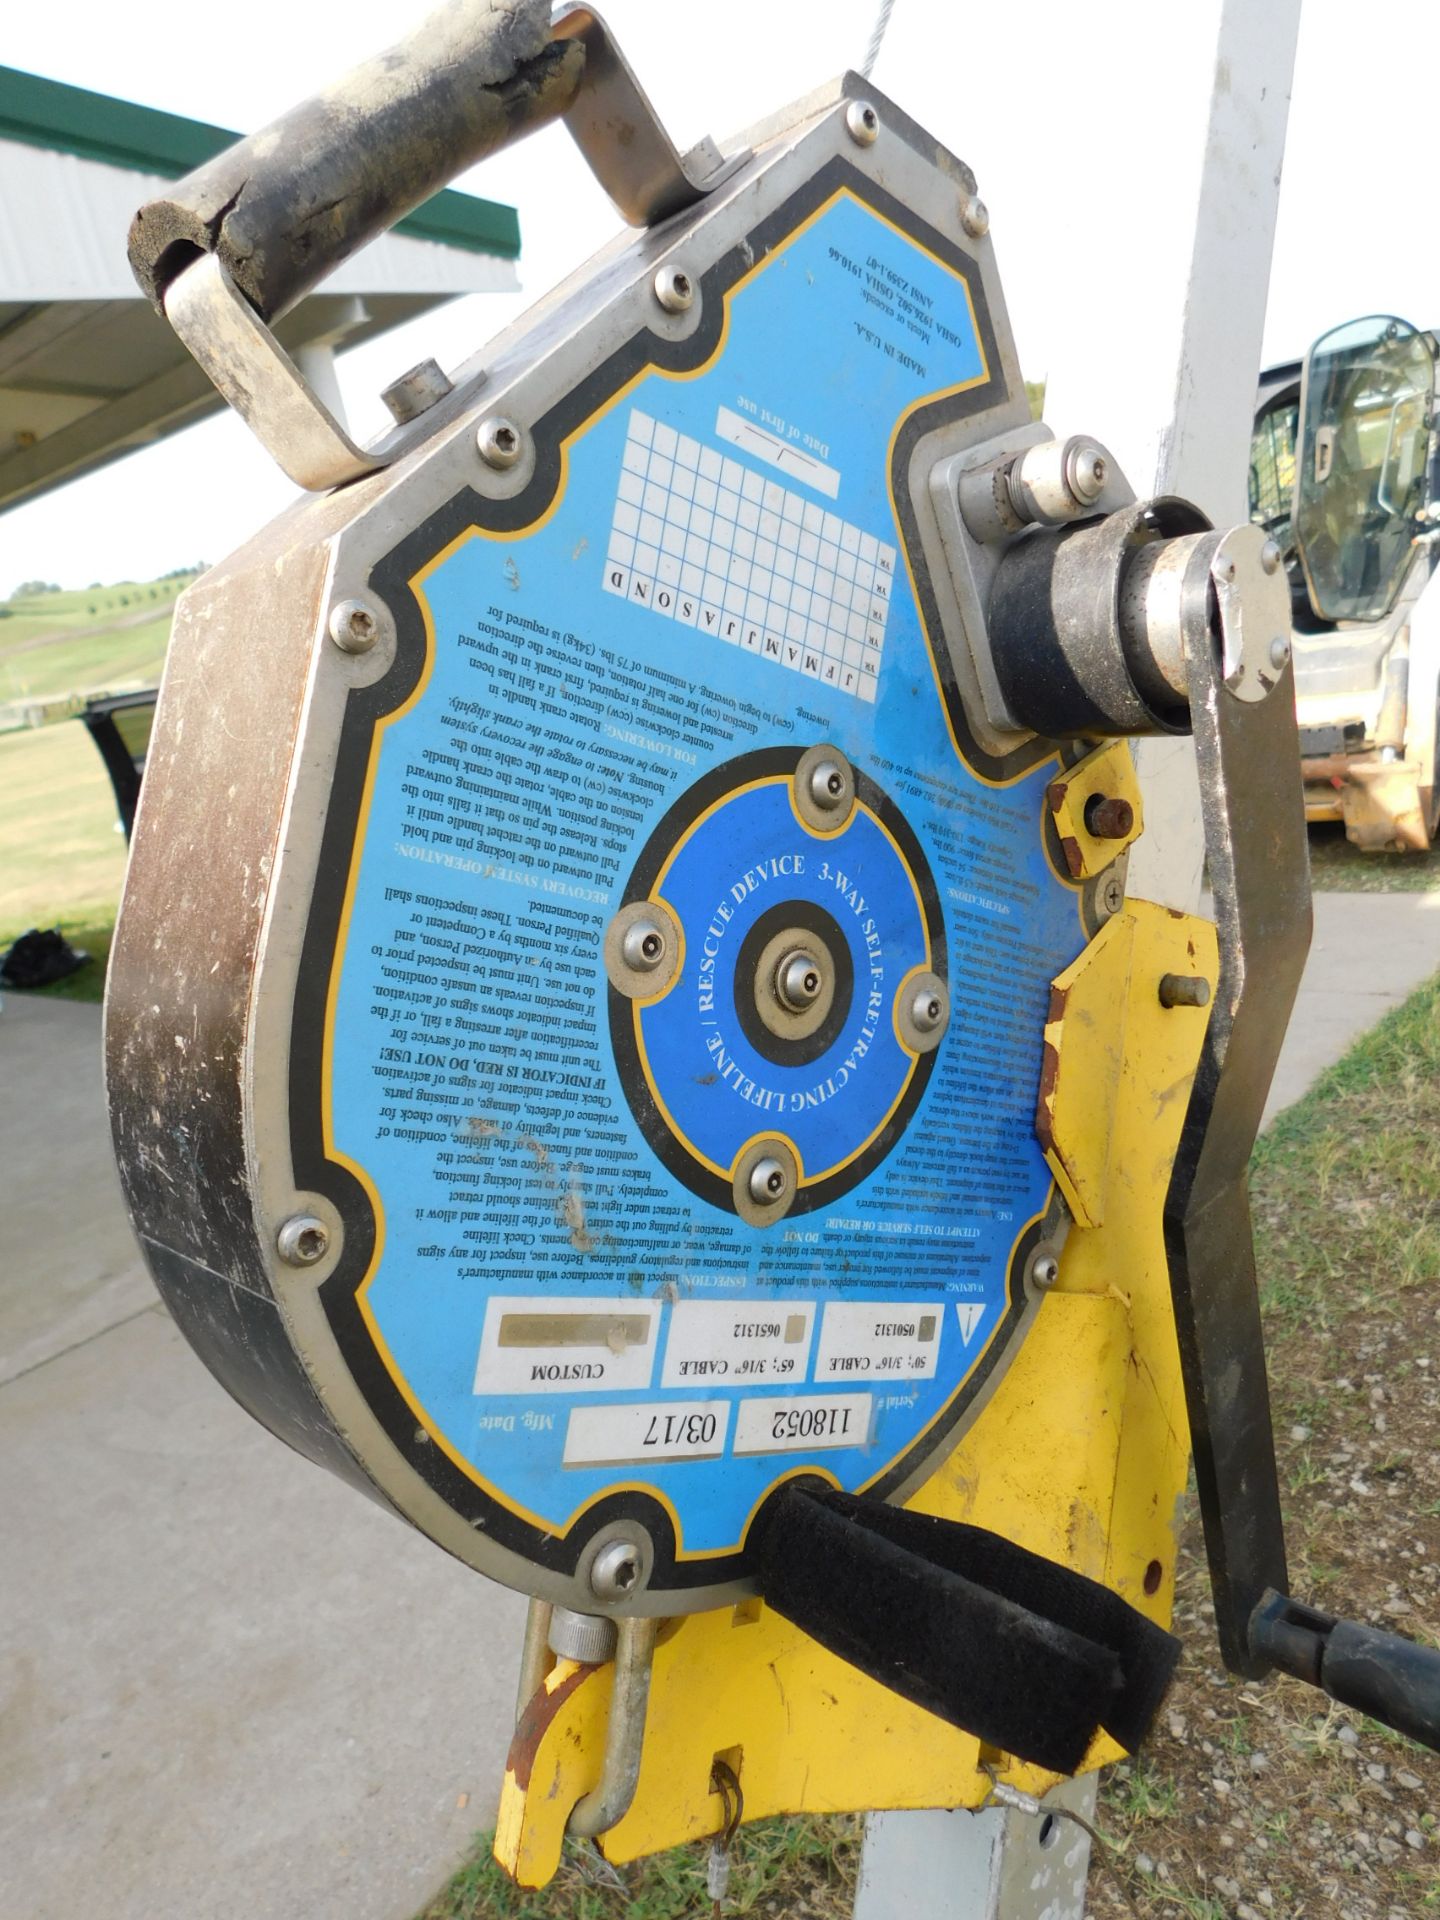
227,1683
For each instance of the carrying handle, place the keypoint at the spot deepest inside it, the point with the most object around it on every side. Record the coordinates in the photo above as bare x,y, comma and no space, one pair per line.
284,207
287,205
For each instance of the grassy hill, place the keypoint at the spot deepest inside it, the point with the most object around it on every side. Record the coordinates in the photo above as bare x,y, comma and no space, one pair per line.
102,640
62,859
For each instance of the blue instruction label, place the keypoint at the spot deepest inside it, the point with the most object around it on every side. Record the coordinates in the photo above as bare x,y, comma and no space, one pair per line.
576,1284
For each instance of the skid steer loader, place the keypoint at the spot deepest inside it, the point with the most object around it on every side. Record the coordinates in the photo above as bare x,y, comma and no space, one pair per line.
1344,478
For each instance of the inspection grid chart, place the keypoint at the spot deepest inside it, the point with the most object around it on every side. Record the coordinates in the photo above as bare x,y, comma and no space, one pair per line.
702,540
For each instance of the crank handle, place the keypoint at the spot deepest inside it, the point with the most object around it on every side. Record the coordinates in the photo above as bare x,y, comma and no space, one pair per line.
1382,1674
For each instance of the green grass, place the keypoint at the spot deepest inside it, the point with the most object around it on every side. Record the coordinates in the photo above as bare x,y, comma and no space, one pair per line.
96,663
1348,1180
1337,867
61,860
100,641
778,1867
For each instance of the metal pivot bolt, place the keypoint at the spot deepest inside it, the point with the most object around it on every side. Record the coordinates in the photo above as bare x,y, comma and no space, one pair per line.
1108,817
674,289
1271,556
617,1570
975,217
1184,990
303,1240
862,122
500,441
353,626
1085,470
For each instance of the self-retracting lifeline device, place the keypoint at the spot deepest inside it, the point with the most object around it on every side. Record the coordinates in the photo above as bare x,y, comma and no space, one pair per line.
626,1038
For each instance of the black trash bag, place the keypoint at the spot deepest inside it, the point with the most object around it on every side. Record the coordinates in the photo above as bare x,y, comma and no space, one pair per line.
40,959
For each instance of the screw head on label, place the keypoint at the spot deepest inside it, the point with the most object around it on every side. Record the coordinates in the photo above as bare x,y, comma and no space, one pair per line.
674,289
500,441
768,1181
616,1570
927,1010
303,1240
975,217
353,626
862,123
643,945
1043,1268
828,786
1111,894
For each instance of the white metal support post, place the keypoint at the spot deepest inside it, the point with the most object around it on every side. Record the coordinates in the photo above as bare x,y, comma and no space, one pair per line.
1164,355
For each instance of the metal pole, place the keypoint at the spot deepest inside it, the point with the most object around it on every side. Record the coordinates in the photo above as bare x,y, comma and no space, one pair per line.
1165,371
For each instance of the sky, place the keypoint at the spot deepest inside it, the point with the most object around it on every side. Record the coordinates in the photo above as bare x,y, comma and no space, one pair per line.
1060,109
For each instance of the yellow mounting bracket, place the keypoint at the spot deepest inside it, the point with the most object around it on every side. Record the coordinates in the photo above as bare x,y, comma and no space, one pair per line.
1096,809
1080,1454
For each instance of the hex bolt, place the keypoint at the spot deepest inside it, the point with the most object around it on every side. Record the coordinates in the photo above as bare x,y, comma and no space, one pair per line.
1108,817
303,1240
416,391
927,1010
674,289
863,123
1271,556
353,627
975,217
1279,651
827,786
500,441
616,1570
643,946
767,1182
799,981
1184,990
1042,1269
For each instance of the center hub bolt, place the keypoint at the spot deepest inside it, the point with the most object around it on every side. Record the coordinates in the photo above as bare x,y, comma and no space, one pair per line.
798,981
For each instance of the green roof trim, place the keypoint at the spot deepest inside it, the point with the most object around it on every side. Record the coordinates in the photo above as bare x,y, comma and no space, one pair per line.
93,126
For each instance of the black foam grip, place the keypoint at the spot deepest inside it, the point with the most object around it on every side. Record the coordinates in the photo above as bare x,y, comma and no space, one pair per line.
1028,1656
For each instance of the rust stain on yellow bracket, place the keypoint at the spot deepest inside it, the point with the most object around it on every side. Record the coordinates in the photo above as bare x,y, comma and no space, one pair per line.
1080,1454
1107,775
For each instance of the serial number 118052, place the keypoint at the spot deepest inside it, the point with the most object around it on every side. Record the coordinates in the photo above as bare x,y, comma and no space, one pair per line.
806,1423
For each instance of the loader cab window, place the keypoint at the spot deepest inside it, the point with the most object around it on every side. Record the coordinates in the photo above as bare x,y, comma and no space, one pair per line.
1361,485
1272,466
